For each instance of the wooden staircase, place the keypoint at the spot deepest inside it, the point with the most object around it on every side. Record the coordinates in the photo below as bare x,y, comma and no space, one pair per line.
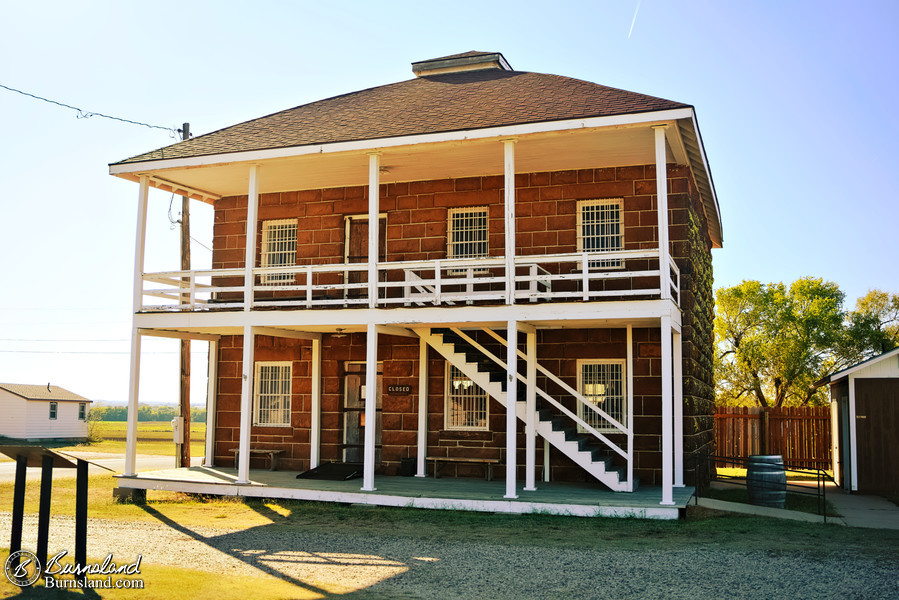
593,453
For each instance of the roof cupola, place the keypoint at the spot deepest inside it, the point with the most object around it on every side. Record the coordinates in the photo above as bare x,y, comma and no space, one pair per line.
456,63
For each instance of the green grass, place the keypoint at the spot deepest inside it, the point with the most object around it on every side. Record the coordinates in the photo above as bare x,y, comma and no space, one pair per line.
169,582
702,527
730,472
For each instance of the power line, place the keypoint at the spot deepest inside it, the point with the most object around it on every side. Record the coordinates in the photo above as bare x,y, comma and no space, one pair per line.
123,352
85,114
62,340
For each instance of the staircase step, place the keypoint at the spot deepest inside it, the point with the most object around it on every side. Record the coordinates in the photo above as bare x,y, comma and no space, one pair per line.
587,451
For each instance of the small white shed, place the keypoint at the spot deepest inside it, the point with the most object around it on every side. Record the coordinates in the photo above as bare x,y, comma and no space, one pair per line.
865,421
42,412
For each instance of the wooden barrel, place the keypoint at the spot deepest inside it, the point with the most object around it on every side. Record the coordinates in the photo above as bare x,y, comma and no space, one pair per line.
766,481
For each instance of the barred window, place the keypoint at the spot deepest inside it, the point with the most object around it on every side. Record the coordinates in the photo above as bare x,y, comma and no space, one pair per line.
602,383
466,403
272,397
467,236
279,248
600,229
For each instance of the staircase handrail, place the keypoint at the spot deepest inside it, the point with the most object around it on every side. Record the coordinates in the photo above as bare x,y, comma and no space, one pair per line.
577,395
543,394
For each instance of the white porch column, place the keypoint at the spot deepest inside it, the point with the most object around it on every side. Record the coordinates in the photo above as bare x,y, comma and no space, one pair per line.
246,403
140,244
629,385
250,255
667,416
530,448
853,444
678,410
371,404
211,389
511,399
374,225
509,183
421,470
315,426
133,386
662,206
546,457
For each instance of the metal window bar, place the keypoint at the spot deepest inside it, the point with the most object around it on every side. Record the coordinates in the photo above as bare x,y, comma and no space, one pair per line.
466,402
603,385
273,394
468,233
279,248
600,230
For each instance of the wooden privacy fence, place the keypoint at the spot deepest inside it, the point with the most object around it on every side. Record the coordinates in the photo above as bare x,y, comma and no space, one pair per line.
800,434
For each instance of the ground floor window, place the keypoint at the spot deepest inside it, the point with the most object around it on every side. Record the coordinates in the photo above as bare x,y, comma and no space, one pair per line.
466,403
82,411
271,401
53,407
601,382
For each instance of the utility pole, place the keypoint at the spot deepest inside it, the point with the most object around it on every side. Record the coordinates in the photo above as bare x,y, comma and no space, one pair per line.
182,453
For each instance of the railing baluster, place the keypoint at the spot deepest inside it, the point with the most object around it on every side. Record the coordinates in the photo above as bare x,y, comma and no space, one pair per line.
308,286
585,276
438,281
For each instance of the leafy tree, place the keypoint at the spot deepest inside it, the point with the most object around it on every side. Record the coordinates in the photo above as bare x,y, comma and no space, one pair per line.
873,326
774,341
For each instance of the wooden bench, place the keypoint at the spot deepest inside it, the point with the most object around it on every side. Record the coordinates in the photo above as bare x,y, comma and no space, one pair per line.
273,456
487,463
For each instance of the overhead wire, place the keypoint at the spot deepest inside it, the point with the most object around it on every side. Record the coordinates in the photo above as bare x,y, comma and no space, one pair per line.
86,114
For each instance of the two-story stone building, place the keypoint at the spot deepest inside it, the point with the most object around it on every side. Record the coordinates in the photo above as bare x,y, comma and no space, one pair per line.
537,293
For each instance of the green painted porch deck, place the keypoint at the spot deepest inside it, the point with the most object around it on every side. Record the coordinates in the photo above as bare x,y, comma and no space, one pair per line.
575,499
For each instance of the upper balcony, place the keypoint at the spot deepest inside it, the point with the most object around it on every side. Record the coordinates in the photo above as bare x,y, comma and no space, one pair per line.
580,276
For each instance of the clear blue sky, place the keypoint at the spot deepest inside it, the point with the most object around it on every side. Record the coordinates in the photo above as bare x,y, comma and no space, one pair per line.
795,101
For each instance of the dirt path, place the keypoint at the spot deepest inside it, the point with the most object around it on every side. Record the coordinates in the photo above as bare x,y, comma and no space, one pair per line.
390,567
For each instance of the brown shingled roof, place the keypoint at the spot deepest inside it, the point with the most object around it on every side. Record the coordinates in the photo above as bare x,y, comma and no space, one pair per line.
431,104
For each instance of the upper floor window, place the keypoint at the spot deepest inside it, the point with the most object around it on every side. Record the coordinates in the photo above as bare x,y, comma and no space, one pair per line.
279,248
82,411
467,236
600,228
53,409
466,402
601,382
272,398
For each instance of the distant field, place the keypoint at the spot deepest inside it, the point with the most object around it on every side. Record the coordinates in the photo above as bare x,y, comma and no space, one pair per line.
153,437
146,430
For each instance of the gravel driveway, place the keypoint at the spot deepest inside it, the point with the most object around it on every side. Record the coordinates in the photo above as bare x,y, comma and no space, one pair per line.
387,567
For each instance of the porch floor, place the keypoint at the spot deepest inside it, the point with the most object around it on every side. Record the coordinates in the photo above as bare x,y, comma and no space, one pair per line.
574,499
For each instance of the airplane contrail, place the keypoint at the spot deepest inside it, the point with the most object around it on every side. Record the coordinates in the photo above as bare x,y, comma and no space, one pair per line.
635,19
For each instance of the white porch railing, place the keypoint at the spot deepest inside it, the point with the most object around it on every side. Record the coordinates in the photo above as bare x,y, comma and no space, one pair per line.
551,277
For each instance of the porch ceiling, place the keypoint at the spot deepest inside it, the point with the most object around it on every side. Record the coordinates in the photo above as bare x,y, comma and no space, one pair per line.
551,151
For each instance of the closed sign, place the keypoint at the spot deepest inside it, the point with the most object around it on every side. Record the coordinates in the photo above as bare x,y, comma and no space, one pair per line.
399,390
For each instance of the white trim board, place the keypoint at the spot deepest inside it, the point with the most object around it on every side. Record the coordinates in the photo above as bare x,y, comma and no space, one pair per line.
392,142
254,490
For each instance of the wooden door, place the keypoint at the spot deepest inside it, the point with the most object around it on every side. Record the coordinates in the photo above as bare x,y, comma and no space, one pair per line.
877,434
356,248
354,424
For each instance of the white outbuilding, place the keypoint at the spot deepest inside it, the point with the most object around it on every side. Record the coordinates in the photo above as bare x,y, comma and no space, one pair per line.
42,412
